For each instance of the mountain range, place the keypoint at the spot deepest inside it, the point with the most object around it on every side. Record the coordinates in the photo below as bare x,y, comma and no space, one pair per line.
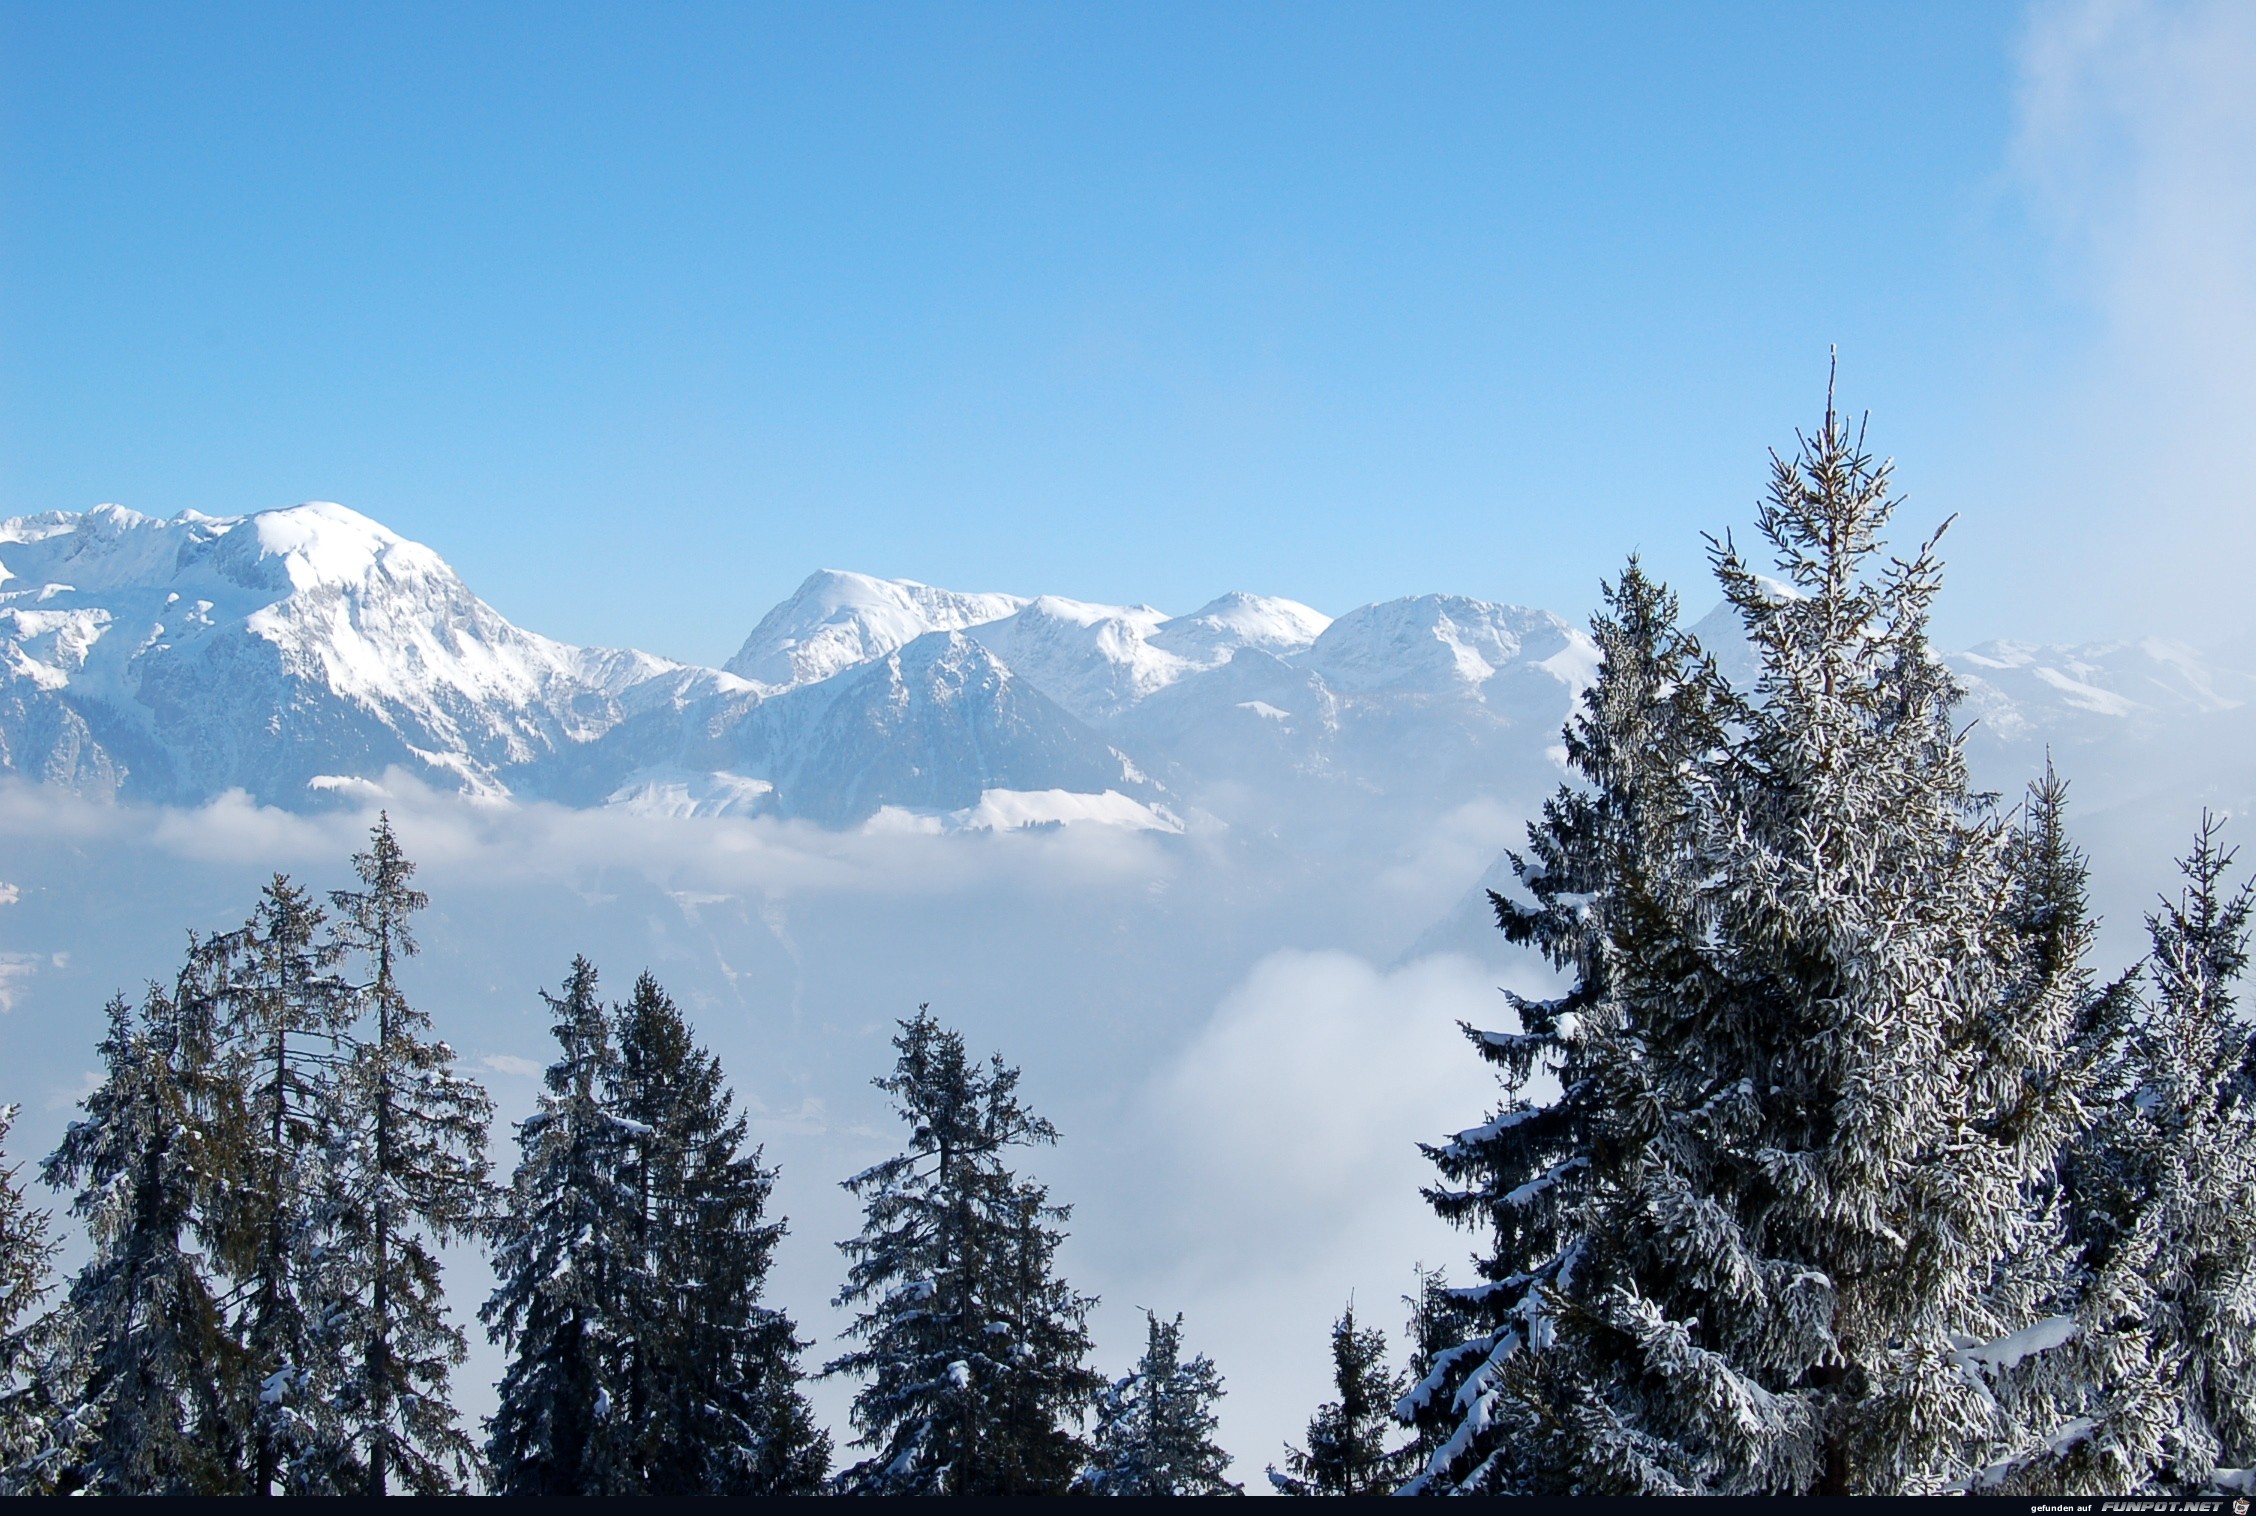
292,653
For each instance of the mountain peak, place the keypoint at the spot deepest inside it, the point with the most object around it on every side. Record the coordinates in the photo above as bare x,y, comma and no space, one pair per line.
838,619
321,543
1237,620
1435,640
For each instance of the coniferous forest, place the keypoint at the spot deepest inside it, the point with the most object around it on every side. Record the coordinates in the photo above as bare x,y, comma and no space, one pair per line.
1839,1167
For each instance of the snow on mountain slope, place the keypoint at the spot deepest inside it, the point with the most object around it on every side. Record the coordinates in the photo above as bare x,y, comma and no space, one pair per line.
837,620
1032,810
930,727
174,659
286,652
1095,660
681,794
1437,643
201,653
1215,630
2023,689
1101,661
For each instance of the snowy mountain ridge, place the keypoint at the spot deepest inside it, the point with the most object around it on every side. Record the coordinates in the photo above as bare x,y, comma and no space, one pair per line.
290,652
836,620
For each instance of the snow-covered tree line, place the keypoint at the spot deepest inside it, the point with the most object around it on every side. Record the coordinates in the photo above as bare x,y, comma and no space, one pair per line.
279,1143
1835,1169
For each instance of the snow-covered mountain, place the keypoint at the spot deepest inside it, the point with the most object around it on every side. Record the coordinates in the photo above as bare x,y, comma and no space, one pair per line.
836,621
291,651
173,659
932,726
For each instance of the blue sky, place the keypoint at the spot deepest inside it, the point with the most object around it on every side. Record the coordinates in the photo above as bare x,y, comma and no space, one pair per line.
639,313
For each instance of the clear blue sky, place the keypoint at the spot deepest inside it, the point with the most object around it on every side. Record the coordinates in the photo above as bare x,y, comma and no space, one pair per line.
637,313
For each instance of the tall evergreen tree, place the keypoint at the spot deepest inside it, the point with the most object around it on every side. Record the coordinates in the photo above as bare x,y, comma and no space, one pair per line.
559,1247
2097,1186
2087,1414
711,1376
2192,1139
1776,1234
33,1416
1930,1069
1348,1452
147,1358
1155,1427
972,1349
1615,869
411,1173
288,1012
632,1257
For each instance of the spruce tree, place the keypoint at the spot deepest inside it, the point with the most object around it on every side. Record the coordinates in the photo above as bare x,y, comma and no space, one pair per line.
1438,1330
1776,1234
1615,869
1155,1427
711,1376
411,1173
288,1010
146,1358
1348,1452
33,1417
560,1246
2097,1188
2087,1414
971,1346
1915,1069
2192,1137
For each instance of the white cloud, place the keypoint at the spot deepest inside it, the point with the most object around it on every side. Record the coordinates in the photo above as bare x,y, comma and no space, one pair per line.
1281,1170
1307,1092
510,1064
16,970
2136,147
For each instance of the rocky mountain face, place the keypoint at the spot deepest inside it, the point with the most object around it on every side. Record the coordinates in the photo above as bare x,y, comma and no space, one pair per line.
289,652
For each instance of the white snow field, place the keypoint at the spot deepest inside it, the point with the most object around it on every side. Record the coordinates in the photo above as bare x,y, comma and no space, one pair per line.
1214,880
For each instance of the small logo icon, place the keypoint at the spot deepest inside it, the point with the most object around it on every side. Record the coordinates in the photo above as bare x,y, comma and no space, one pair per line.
2240,1507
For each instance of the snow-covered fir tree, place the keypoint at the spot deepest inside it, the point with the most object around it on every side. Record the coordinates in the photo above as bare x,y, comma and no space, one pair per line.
1911,1106
1044,1333
144,1357
1776,1232
560,1244
2087,1413
1438,1328
1349,1451
711,1375
288,1009
33,1416
2191,1143
1155,1427
971,1347
1614,868
410,1173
